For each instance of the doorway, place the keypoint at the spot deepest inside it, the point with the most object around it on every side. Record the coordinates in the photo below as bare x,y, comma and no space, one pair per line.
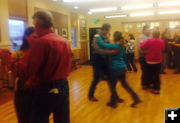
92,32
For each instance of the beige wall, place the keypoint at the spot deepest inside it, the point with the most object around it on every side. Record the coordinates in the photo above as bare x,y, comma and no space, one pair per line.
4,32
17,9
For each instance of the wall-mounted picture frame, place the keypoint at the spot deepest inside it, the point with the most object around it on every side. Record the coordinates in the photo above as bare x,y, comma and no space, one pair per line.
56,30
82,23
83,33
64,32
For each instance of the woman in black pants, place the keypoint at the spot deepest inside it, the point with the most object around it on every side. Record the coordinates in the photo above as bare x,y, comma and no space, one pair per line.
130,54
23,95
154,48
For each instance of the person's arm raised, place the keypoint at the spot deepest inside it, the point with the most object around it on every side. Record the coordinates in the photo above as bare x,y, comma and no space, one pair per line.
106,45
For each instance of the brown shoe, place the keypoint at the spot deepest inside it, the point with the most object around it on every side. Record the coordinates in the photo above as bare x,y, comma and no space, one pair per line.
119,100
155,91
93,99
112,105
133,105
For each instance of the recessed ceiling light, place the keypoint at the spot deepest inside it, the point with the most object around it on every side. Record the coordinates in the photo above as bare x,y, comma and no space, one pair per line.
69,1
141,6
172,26
89,13
103,9
116,16
55,0
142,14
76,7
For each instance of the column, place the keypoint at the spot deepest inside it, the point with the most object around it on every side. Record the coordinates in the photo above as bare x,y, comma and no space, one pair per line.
4,30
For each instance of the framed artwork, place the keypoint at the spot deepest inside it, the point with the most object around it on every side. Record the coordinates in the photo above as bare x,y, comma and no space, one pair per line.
82,23
64,32
56,30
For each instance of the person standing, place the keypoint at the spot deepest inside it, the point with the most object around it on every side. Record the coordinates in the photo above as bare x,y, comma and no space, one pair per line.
118,69
22,99
101,61
142,38
130,53
45,68
167,52
176,52
154,48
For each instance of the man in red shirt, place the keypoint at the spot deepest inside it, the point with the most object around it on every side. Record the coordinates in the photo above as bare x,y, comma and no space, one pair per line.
45,68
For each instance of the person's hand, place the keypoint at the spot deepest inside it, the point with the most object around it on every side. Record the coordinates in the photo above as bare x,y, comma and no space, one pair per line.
112,51
141,41
14,55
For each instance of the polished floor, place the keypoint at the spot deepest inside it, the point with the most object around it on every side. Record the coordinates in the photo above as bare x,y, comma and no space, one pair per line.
152,110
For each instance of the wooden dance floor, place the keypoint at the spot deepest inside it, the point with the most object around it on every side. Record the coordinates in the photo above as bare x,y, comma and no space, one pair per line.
152,110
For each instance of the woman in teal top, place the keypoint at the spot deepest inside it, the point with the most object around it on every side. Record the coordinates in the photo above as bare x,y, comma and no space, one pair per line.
119,69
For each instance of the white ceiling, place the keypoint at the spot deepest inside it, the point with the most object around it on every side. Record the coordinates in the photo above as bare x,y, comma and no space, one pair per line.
86,5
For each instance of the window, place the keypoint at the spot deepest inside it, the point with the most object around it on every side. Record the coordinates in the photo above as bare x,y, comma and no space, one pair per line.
128,28
16,32
154,24
173,24
140,26
74,37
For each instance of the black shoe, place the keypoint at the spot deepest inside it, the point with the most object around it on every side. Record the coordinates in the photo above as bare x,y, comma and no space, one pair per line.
133,105
162,72
177,72
119,100
112,105
93,99
135,71
145,87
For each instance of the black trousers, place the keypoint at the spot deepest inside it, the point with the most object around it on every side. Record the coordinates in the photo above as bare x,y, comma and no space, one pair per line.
121,76
177,60
144,77
23,101
51,98
154,75
102,70
130,62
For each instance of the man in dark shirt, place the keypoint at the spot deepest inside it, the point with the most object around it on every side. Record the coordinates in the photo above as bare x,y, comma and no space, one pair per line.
101,63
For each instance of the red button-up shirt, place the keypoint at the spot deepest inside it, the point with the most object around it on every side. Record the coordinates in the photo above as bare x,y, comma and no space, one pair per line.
48,58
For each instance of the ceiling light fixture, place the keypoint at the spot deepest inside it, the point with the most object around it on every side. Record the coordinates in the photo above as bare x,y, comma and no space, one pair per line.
69,1
116,16
172,26
54,0
76,7
142,14
103,9
89,13
141,6
169,3
169,12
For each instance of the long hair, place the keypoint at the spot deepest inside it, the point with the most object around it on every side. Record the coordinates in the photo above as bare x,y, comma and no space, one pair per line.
131,36
118,38
25,44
